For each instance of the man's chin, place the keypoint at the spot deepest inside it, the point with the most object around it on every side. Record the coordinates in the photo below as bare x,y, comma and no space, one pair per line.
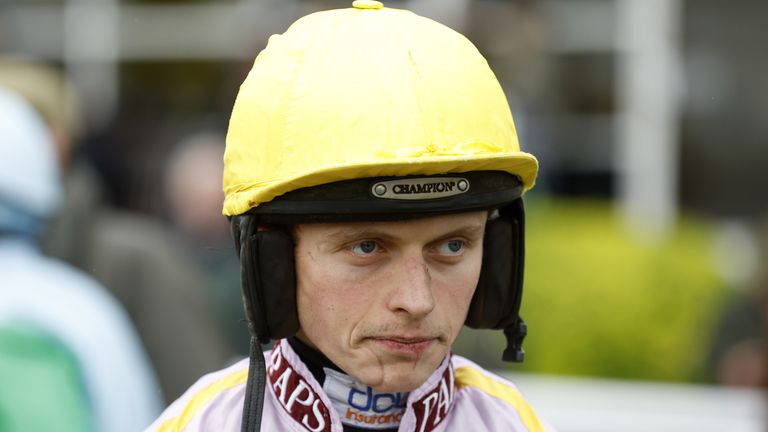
401,382
398,374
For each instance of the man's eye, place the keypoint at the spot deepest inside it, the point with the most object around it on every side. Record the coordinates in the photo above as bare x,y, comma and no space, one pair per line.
451,247
365,247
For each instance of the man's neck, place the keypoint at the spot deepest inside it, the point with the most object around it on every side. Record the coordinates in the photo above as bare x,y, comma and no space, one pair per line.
312,358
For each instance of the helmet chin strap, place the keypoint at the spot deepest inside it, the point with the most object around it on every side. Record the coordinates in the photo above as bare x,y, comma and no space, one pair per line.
254,389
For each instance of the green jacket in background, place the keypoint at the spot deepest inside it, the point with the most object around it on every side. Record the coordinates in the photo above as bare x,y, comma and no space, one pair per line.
42,388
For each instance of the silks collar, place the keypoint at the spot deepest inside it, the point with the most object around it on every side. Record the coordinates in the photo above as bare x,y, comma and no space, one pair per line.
341,400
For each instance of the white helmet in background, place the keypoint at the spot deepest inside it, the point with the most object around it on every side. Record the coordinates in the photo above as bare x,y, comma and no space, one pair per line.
30,186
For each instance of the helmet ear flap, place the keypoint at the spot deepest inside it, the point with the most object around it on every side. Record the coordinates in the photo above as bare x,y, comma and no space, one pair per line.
267,279
496,302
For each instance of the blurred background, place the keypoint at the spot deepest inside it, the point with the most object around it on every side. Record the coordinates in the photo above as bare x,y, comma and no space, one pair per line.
646,276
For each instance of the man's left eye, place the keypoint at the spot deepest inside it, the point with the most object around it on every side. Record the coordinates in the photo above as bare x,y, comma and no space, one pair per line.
451,247
365,248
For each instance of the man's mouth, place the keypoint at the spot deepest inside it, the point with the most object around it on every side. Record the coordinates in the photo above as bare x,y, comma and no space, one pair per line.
402,345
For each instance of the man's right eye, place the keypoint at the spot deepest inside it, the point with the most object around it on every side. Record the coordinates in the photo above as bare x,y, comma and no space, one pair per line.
365,247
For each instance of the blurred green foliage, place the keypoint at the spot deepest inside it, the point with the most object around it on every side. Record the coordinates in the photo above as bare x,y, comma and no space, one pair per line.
598,302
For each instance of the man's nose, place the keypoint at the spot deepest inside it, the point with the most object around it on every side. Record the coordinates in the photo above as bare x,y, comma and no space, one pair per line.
412,291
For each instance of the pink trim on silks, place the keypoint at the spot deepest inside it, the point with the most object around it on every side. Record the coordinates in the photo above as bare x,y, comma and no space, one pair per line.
433,407
295,393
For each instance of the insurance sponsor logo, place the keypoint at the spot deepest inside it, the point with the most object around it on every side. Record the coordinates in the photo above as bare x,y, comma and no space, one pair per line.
359,405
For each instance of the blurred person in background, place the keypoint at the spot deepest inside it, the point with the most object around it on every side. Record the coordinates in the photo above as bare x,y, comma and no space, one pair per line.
70,359
192,187
135,256
739,352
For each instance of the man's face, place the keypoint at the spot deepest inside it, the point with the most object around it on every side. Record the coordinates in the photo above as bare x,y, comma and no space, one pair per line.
384,301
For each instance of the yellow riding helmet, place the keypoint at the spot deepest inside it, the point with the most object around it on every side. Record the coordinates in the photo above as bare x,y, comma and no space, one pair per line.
366,92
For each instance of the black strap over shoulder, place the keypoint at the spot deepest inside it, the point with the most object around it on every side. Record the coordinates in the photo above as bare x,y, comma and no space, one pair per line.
254,389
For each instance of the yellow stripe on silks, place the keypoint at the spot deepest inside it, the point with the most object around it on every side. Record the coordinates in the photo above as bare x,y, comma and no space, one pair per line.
470,377
199,400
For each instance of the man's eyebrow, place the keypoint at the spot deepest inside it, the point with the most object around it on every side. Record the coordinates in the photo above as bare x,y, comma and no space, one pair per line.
344,235
469,231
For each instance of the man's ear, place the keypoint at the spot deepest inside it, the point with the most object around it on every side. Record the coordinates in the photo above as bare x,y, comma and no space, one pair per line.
496,302
268,280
